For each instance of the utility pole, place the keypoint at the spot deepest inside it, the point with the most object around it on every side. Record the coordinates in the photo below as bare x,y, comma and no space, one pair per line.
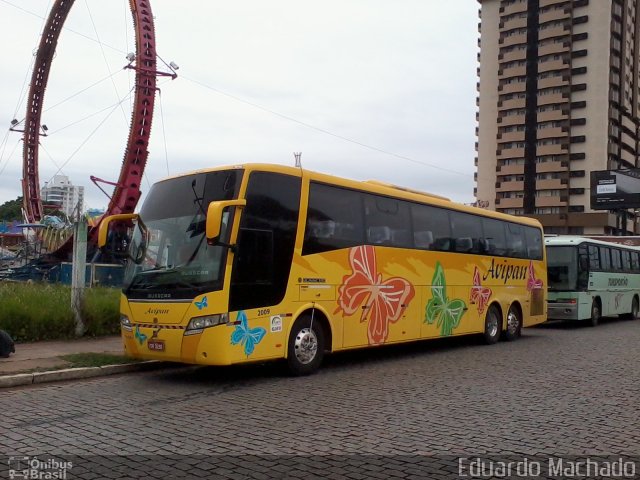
78,273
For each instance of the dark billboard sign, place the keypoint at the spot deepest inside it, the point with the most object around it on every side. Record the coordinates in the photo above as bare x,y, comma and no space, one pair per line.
615,189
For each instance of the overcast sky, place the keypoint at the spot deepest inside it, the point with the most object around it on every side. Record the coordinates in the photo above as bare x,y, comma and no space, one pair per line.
366,89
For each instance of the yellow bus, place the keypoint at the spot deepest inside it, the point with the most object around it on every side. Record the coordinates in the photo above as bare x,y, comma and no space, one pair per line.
260,262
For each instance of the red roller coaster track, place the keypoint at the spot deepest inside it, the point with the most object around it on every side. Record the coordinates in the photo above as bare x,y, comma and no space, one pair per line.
127,189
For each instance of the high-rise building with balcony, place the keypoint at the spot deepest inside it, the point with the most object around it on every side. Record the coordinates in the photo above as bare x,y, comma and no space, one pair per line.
559,97
65,196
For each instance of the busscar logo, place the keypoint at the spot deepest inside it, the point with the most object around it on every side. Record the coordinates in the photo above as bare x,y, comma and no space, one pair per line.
158,296
38,468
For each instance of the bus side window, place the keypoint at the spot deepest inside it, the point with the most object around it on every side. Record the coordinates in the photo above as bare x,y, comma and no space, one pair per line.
388,221
594,258
583,266
379,235
466,230
605,259
334,219
423,239
626,260
401,238
463,245
443,244
494,236
515,240
635,261
322,228
432,227
533,236
616,262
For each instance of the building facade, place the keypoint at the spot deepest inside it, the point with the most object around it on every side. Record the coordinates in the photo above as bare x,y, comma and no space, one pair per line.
63,195
558,97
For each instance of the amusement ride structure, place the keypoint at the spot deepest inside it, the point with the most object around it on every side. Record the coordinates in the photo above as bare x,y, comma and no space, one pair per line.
126,191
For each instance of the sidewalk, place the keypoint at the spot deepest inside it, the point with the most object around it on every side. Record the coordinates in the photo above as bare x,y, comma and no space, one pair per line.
41,362
46,355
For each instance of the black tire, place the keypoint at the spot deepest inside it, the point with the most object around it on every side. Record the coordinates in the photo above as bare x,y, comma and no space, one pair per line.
595,313
514,324
306,346
492,325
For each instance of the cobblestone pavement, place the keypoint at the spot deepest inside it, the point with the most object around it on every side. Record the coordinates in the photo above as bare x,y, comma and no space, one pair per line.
393,412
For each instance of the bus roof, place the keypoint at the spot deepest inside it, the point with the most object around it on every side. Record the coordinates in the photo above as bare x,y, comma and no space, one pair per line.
566,240
373,186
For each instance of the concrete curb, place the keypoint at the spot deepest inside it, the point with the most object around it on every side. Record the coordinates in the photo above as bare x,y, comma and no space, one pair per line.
20,379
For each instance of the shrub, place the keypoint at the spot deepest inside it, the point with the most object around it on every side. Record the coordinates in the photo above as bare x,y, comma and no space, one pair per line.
42,311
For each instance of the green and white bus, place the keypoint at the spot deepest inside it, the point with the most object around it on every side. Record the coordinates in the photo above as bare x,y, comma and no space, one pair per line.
589,279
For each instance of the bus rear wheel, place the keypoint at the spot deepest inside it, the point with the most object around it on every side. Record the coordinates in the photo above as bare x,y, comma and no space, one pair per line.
514,323
306,346
595,313
492,325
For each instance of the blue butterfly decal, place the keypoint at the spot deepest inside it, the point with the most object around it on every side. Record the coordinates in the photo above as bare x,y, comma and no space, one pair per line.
202,303
141,337
243,335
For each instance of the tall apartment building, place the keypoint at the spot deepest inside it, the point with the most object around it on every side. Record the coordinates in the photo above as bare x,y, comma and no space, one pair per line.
64,195
559,97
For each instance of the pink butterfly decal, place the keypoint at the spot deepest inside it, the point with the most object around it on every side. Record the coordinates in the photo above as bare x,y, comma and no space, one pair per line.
533,283
479,295
382,301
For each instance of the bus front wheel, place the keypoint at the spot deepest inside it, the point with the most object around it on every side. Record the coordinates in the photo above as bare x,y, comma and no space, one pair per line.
492,325
595,313
306,346
514,323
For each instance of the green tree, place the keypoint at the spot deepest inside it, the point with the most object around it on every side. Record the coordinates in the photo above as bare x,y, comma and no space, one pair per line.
11,210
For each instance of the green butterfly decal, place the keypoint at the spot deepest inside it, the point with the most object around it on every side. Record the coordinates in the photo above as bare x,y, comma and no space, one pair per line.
447,312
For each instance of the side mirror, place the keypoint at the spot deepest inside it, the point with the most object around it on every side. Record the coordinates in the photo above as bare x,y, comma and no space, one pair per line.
103,229
214,217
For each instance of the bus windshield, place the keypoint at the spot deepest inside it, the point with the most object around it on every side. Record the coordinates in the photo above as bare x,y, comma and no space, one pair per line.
562,268
170,255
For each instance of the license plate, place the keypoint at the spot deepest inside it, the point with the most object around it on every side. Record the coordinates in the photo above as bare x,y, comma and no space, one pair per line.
156,345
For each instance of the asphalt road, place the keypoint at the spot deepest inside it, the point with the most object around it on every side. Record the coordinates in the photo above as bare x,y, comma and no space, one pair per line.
394,412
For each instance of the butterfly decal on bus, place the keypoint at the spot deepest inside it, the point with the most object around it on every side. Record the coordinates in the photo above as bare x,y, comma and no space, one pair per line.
245,336
533,283
201,304
382,301
141,337
446,312
479,295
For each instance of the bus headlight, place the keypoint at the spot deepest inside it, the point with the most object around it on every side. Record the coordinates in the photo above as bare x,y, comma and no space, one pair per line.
197,324
125,322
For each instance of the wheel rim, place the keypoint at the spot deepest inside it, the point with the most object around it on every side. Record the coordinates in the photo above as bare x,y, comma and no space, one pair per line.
634,309
513,323
305,346
492,325
595,314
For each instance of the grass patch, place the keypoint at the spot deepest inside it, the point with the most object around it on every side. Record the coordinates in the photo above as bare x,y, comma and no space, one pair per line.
42,311
95,359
